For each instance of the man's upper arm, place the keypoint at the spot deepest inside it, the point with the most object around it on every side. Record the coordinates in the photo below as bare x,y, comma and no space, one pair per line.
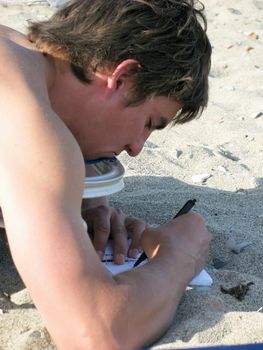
41,184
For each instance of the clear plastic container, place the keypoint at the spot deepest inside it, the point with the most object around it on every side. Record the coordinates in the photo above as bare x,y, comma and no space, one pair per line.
103,177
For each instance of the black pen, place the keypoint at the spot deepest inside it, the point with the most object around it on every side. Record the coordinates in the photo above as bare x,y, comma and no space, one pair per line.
184,210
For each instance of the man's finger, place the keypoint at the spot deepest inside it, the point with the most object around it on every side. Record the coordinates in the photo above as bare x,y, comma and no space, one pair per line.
120,237
135,228
101,230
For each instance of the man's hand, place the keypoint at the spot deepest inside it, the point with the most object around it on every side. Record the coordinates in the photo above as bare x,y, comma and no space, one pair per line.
105,222
184,240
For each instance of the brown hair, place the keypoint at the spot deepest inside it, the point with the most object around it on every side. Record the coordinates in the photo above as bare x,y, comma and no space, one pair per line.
167,38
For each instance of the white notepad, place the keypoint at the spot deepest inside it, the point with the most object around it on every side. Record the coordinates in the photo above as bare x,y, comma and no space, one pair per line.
202,279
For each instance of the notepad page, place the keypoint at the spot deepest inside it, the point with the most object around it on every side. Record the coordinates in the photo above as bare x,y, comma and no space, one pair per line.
202,279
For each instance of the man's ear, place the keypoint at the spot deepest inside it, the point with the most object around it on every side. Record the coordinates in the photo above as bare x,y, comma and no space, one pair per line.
123,75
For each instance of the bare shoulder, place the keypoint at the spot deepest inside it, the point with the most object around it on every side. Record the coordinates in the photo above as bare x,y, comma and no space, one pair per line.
32,136
19,61
14,44
14,35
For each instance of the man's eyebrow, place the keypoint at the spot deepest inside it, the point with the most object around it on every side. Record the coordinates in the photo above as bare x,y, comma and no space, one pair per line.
162,124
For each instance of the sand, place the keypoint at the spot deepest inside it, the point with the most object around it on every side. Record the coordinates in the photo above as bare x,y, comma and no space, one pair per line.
225,149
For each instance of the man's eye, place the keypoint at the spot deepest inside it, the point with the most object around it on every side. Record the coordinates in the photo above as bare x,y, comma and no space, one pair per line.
149,124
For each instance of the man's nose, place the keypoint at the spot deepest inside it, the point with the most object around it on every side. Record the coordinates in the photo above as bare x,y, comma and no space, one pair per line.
133,149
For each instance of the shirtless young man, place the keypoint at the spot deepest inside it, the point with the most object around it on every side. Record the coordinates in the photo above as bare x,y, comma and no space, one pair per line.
93,81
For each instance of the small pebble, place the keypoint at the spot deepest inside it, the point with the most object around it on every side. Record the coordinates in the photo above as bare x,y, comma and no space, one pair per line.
35,334
253,36
227,154
257,182
219,262
249,48
178,153
234,11
222,169
237,247
201,178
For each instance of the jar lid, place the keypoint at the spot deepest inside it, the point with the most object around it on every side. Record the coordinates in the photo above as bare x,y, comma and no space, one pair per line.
103,177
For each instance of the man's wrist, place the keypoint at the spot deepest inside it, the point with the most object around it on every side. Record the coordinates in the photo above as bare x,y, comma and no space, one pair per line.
177,263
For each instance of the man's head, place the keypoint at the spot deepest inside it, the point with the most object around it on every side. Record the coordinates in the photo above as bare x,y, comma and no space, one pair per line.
165,38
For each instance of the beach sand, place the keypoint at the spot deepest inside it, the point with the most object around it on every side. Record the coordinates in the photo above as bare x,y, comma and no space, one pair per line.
216,159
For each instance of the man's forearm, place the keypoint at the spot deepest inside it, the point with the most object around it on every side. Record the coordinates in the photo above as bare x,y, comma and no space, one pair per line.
131,312
148,300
